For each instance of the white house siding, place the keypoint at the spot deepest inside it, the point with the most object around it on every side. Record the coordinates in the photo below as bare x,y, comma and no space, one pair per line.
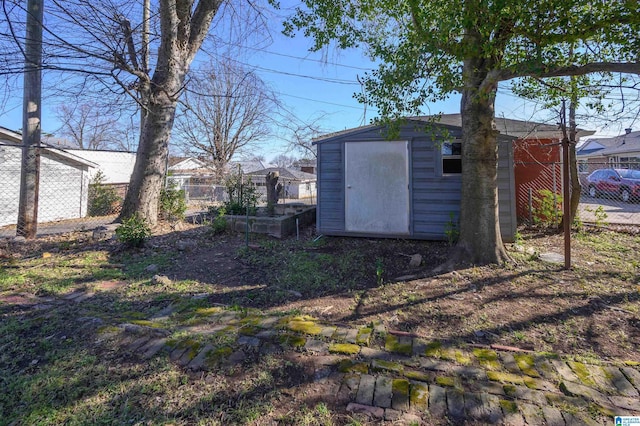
63,187
10,158
116,166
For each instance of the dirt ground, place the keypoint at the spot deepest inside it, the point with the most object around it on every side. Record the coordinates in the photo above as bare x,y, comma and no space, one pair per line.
591,310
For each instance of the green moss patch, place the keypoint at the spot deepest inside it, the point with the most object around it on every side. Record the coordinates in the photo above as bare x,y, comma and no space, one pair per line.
526,363
445,381
206,312
462,357
433,349
417,375
582,372
364,335
419,396
292,340
508,406
249,330
392,344
349,366
382,365
487,358
632,363
505,377
147,323
509,390
344,348
307,327
400,386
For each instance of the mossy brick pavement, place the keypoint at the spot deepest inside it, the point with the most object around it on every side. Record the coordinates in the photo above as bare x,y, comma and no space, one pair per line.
395,376
389,375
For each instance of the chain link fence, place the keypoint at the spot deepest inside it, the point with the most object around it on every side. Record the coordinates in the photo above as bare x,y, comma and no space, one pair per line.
71,192
610,193
83,190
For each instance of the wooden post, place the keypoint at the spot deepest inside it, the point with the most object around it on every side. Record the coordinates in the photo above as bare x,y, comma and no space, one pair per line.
31,123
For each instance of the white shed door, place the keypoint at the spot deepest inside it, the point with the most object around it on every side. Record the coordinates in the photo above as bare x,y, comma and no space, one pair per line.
377,187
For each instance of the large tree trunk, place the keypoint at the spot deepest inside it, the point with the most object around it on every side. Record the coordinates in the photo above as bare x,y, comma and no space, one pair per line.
151,160
480,241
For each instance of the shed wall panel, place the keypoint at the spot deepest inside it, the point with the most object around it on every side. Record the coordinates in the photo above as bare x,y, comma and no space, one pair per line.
330,215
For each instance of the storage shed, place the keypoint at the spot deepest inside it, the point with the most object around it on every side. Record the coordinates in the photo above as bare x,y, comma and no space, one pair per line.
408,187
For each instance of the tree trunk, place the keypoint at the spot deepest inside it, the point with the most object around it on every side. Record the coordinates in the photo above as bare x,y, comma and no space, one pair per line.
480,241
151,159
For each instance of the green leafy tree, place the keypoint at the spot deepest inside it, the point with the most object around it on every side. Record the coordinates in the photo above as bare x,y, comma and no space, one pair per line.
429,49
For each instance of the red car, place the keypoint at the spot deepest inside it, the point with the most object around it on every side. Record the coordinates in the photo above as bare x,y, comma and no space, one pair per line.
623,183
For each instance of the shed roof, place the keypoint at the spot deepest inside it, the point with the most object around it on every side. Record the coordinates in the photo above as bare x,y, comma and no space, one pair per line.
520,128
419,120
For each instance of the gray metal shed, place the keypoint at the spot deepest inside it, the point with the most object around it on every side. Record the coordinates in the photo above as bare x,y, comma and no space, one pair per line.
408,187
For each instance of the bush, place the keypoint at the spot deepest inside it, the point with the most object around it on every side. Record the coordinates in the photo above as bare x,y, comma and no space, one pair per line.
241,195
219,223
548,210
173,203
102,199
133,231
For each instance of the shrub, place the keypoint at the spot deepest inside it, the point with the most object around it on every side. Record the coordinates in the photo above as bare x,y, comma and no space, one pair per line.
103,200
548,210
241,195
173,203
133,231
219,223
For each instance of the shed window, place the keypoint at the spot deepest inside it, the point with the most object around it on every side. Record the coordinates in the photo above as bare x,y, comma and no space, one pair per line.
451,158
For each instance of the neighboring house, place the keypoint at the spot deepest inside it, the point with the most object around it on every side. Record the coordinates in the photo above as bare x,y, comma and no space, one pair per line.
248,166
409,187
64,181
620,152
537,155
190,171
305,165
295,184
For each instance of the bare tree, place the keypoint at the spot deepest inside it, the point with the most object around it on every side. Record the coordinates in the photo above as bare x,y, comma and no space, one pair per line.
283,160
100,48
227,108
87,125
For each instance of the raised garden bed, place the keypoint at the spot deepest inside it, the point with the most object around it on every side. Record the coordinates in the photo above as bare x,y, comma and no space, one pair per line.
281,225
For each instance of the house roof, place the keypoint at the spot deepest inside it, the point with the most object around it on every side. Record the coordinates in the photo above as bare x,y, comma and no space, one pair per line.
629,142
285,173
10,137
519,128
249,166
187,163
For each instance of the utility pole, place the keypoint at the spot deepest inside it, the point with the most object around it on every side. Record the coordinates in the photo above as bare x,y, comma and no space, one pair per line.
31,122
566,180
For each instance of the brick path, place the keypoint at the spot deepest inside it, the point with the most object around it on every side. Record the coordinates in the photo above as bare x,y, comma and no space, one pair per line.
386,374
396,376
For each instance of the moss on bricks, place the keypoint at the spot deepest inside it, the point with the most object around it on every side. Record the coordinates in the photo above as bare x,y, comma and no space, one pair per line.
400,386
526,363
249,330
462,357
147,323
505,377
382,365
433,349
632,363
508,406
509,390
344,348
205,312
392,344
348,366
446,381
419,396
302,326
292,340
487,358
582,372
217,355
364,335
417,375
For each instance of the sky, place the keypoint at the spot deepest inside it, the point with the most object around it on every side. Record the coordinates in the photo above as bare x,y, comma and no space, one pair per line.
315,85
